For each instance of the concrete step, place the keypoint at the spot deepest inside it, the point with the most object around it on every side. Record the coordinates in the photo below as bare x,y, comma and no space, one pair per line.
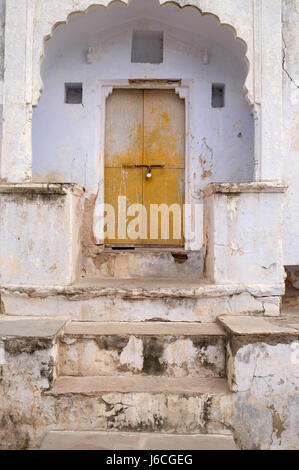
128,264
118,300
143,404
100,440
147,348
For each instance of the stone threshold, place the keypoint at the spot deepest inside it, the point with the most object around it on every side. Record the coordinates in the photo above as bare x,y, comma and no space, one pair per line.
144,288
91,329
91,386
103,440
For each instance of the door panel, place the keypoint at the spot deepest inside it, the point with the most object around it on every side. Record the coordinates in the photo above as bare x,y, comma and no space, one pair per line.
164,128
124,128
165,187
146,127
123,182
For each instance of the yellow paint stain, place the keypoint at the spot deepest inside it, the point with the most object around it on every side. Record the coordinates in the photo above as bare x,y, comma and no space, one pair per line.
165,117
8,263
31,245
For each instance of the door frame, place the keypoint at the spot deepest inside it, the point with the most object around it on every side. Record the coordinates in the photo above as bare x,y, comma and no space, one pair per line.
184,89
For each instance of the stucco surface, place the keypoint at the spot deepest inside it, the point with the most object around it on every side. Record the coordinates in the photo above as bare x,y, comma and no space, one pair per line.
290,148
39,234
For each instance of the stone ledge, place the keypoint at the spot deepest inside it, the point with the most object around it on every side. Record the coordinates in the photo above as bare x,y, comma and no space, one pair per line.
16,327
101,440
143,329
144,288
255,326
41,188
91,386
254,187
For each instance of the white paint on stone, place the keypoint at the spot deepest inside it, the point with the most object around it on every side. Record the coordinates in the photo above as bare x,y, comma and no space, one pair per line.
266,380
290,147
39,234
114,308
272,309
132,355
180,352
244,230
2,353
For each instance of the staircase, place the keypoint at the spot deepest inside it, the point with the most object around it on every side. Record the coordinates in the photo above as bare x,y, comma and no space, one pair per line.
137,363
145,385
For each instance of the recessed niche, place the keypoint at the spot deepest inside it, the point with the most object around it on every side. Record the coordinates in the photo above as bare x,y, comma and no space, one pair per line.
73,93
147,47
218,92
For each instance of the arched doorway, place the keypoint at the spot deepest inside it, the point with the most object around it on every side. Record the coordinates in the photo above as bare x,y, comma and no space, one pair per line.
143,47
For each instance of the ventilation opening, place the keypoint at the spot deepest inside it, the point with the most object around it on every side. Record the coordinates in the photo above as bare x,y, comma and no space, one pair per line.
180,258
147,47
218,92
123,248
73,93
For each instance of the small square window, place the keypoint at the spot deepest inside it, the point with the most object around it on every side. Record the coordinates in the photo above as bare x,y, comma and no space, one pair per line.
73,93
147,47
218,92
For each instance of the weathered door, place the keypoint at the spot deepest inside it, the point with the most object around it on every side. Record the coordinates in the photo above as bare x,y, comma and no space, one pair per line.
145,136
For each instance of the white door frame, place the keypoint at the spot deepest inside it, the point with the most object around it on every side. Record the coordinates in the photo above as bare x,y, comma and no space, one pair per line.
184,89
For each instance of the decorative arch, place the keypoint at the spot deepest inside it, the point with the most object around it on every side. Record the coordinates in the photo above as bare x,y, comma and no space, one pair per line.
29,24
234,15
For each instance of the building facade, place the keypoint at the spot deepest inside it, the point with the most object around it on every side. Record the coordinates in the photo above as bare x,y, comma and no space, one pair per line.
149,224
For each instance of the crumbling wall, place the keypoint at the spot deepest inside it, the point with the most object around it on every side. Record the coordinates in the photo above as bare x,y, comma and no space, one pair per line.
262,412
26,370
266,379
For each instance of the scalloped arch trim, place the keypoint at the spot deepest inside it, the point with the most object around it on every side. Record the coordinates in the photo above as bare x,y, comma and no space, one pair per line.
82,7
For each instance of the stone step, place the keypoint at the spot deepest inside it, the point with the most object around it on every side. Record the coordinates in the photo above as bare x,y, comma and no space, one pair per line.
117,300
100,440
151,384
147,348
143,404
136,263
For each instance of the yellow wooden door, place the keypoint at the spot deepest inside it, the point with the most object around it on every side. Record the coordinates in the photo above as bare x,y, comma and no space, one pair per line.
145,133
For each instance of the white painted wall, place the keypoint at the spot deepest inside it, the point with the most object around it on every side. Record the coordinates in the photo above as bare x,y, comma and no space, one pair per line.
2,42
290,138
66,138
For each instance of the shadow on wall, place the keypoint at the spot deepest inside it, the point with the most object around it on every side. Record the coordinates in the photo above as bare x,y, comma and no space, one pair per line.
292,280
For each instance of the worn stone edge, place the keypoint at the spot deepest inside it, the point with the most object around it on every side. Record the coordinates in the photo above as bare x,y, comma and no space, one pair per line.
63,387
85,292
255,187
41,188
59,331
239,340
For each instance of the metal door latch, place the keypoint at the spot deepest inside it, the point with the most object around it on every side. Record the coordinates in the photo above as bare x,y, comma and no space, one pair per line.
149,168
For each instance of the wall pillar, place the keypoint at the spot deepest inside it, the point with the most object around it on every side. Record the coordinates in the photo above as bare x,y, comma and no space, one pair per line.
16,154
243,223
268,89
40,227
